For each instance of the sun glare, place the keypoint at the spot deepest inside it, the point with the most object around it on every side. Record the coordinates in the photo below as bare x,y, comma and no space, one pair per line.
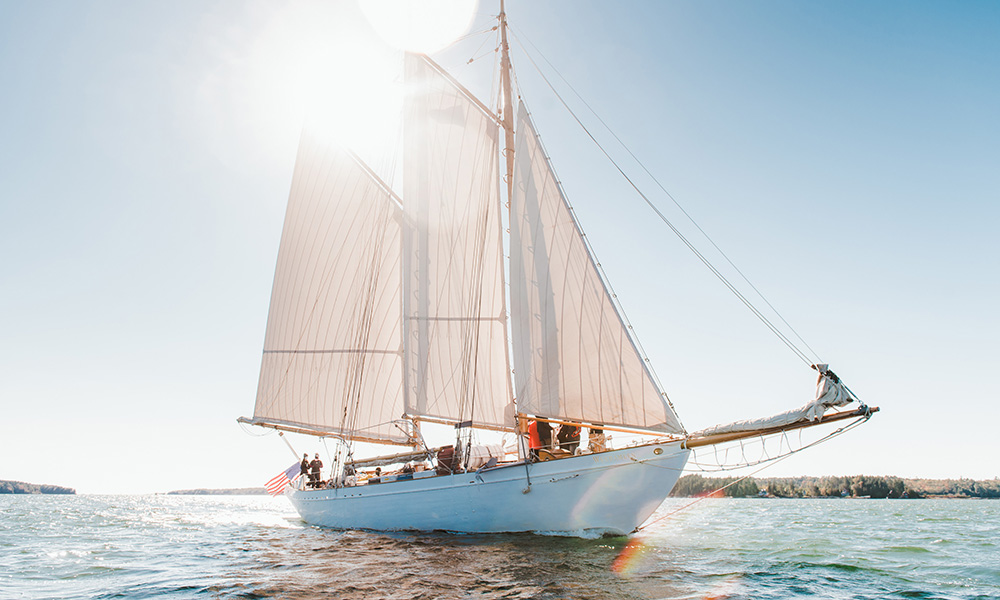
323,67
420,25
357,102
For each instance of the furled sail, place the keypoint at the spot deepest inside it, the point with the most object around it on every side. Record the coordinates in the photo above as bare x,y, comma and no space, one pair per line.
573,356
333,347
456,362
830,393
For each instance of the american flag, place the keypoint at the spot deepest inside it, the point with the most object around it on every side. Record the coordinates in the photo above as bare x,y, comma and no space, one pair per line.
277,485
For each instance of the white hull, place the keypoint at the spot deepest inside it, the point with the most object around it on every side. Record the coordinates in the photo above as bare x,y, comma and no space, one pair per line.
610,493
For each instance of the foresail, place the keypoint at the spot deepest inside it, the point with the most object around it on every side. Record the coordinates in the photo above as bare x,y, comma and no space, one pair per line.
333,347
457,366
573,357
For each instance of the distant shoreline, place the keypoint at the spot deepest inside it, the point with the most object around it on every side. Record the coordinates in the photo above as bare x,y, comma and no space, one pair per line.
693,486
21,487
853,486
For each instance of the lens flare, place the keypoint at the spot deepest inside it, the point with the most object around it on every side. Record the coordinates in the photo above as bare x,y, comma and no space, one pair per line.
628,560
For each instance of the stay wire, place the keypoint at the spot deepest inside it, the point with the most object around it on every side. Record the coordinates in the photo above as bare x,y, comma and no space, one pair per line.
674,200
766,465
704,260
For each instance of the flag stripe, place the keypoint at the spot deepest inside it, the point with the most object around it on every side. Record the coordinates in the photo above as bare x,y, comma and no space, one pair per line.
277,483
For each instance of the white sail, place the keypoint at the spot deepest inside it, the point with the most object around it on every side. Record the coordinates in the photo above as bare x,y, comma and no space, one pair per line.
333,348
573,357
457,367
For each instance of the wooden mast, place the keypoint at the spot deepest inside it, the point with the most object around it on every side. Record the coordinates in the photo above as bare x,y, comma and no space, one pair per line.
507,111
507,122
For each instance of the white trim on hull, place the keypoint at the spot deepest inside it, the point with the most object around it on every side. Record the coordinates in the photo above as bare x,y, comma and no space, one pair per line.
610,493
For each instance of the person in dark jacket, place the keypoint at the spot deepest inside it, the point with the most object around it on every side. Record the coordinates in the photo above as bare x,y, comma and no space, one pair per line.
314,468
304,467
569,437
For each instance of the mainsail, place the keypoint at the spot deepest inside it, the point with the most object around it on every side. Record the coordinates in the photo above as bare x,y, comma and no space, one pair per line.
573,356
384,308
455,323
334,332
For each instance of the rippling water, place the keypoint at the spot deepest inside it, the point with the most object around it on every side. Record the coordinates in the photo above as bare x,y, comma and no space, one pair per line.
256,547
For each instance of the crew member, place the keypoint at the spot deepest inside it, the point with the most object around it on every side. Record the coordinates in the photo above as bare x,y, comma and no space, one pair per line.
598,443
314,468
304,467
569,437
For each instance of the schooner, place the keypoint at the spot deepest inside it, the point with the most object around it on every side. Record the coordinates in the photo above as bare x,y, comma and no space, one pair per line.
390,310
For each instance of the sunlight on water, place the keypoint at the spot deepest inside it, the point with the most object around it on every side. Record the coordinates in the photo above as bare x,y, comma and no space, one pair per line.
239,547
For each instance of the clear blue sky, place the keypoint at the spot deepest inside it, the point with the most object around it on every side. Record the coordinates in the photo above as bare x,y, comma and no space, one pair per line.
846,155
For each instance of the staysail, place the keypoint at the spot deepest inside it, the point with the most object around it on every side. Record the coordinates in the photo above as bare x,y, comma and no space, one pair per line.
334,330
573,356
456,361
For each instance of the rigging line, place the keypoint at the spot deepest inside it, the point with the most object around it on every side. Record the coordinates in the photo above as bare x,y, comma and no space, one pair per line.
471,333
674,200
481,56
603,276
474,34
769,464
704,260
503,225
313,186
471,35
861,420
485,39
676,231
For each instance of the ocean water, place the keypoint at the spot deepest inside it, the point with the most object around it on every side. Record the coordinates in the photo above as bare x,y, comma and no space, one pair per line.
256,547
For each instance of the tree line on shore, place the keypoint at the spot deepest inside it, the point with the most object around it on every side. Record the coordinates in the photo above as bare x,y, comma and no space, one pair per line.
852,486
21,487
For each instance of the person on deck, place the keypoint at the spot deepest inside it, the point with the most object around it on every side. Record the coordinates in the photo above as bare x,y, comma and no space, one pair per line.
539,437
545,434
569,437
598,443
304,467
314,468
534,443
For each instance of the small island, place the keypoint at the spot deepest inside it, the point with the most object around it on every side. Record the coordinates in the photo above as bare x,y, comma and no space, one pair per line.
20,487
852,486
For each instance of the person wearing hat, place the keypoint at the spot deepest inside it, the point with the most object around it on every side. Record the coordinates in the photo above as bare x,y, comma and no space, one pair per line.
314,469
